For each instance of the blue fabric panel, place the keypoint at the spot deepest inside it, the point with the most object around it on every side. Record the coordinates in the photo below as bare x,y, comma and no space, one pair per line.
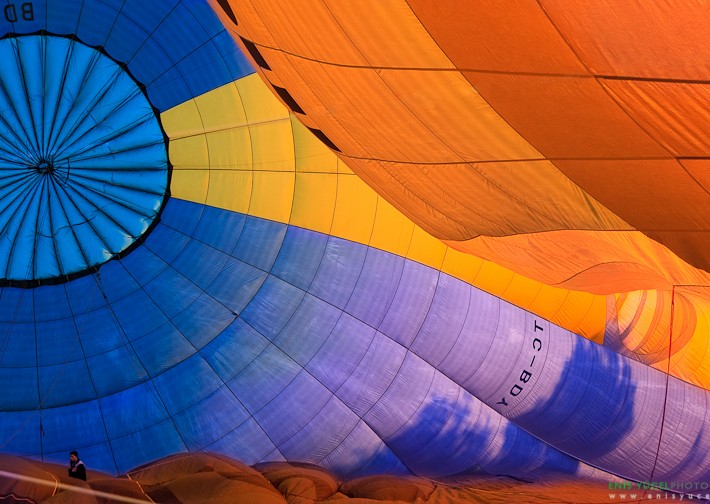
16,305
111,334
60,424
236,285
97,457
363,453
20,431
444,321
151,443
303,398
143,265
116,370
18,346
272,306
376,287
63,18
200,263
51,303
248,439
373,375
162,349
64,384
22,395
343,351
260,242
299,257
57,342
329,426
339,271
165,242
264,378
115,282
234,349
179,394
210,419
84,295
220,229
308,329
411,304
203,320
132,410
172,292
183,216
138,315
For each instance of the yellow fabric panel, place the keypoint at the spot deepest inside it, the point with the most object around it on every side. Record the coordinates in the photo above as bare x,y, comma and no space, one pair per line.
314,201
426,249
189,152
392,231
182,121
355,208
272,146
461,265
260,104
230,149
272,195
224,108
311,154
190,185
230,189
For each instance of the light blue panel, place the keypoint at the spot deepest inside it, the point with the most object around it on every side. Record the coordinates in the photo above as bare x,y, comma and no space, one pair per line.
264,378
444,321
219,228
200,263
300,256
23,394
138,315
162,349
236,285
102,321
373,375
272,306
308,328
132,410
376,287
151,443
411,304
17,346
260,242
234,349
203,320
303,398
67,383
339,271
210,419
116,370
172,292
247,439
57,342
180,392
343,351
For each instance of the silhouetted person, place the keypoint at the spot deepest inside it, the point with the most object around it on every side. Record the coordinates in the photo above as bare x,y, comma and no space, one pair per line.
77,469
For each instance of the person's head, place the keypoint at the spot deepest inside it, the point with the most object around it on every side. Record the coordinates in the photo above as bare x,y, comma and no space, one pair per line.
73,455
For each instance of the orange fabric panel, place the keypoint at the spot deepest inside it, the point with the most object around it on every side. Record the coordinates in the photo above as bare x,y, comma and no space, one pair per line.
503,36
565,117
665,40
677,115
